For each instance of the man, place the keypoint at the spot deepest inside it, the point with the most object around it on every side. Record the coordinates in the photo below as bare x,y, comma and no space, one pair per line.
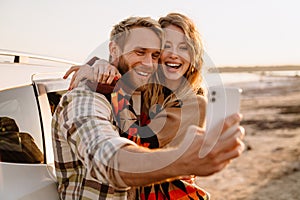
92,161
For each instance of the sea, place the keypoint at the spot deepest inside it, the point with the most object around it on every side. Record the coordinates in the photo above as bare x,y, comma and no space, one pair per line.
212,79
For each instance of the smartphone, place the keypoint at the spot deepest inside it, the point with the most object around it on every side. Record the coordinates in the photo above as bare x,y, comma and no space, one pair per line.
221,102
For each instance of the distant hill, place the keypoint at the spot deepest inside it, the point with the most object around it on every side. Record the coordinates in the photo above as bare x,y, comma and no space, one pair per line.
254,68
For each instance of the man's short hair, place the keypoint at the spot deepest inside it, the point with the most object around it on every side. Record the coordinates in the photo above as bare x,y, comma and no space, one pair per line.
121,31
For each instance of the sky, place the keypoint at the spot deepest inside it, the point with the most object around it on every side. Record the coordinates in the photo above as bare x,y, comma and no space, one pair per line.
234,32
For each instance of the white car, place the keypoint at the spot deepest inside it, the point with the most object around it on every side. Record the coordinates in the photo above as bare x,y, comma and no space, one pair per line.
29,91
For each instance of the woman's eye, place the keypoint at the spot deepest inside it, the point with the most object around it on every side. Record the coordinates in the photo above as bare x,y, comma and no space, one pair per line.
183,48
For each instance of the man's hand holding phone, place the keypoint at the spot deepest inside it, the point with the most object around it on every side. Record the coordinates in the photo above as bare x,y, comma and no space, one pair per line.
222,118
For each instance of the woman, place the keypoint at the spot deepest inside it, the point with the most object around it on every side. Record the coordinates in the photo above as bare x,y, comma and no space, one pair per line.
177,95
178,79
173,94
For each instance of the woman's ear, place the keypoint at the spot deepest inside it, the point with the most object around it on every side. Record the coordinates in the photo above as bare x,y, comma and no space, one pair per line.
115,53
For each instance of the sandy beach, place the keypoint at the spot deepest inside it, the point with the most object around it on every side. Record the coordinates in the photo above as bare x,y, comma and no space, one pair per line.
269,168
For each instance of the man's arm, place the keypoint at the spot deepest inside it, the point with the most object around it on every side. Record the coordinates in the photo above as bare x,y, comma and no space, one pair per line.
139,166
84,138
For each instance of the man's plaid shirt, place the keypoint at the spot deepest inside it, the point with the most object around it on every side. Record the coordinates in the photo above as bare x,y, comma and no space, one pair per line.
85,145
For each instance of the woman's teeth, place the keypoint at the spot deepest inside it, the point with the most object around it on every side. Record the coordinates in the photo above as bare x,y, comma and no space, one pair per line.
173,65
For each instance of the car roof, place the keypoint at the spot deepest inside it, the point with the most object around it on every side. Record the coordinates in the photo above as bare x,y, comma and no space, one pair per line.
19,68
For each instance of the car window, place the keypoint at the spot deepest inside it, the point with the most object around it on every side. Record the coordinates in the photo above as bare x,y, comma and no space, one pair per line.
54,98
21,138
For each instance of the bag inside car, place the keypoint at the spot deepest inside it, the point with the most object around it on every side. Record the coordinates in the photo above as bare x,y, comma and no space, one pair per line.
15,146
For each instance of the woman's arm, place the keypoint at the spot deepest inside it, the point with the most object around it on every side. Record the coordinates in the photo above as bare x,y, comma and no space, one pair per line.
171,123
96,70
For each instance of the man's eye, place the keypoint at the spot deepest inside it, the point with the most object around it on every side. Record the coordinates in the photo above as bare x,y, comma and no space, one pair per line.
155,56
167,46
140,53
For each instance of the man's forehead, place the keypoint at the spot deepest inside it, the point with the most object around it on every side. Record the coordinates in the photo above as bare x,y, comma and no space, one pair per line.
144,38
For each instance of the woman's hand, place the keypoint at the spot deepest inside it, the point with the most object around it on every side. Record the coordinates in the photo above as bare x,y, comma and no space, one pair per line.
80,72
101,71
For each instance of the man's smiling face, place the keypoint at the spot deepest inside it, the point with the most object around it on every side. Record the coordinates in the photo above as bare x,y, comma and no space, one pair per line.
140,56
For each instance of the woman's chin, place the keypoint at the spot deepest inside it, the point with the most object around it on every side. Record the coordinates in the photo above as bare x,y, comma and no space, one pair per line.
173,76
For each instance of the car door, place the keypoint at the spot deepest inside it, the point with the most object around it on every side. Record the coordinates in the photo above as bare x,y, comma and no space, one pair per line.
25,170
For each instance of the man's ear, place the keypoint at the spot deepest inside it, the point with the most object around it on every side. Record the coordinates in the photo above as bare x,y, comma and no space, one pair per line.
115,52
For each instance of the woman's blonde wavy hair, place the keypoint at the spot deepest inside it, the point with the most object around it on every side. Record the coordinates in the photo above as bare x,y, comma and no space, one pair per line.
193,74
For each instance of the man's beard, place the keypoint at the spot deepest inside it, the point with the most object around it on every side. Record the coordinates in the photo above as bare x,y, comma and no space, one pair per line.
123,66
127,78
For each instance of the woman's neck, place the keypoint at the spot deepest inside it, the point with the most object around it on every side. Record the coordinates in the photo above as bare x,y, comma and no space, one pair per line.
173,84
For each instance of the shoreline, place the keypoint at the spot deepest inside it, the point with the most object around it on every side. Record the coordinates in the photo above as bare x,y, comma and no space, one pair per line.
252,78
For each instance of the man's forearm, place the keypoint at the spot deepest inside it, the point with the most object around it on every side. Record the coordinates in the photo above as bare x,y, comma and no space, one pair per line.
137,166
142,166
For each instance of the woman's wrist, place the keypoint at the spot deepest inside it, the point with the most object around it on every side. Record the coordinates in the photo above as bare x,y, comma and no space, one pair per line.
92,61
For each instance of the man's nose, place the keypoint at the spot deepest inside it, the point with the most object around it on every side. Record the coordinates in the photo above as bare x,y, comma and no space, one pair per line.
147,60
